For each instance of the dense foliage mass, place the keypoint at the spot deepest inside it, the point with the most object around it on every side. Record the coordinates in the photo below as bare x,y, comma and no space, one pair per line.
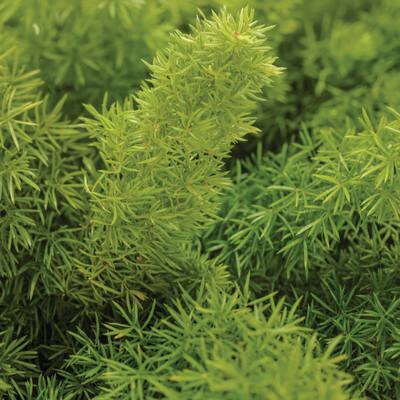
145,254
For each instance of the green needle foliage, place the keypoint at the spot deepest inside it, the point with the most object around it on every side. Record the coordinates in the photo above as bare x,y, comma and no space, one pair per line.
208,345
14,360
341,55
368,319
325,209
88,47
338,187
134,265
147,200
40,196
162,161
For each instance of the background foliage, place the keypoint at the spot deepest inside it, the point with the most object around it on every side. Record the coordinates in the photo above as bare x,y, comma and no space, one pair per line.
288,289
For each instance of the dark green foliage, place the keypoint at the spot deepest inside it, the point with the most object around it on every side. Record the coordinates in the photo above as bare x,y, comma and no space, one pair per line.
311,196
325,208
14,359
208,345
370,325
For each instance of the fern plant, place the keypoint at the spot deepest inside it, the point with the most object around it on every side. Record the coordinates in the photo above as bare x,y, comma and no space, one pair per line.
132,265
163,160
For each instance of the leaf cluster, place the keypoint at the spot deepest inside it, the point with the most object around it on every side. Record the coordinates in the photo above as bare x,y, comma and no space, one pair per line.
324,212
116,264
209,345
